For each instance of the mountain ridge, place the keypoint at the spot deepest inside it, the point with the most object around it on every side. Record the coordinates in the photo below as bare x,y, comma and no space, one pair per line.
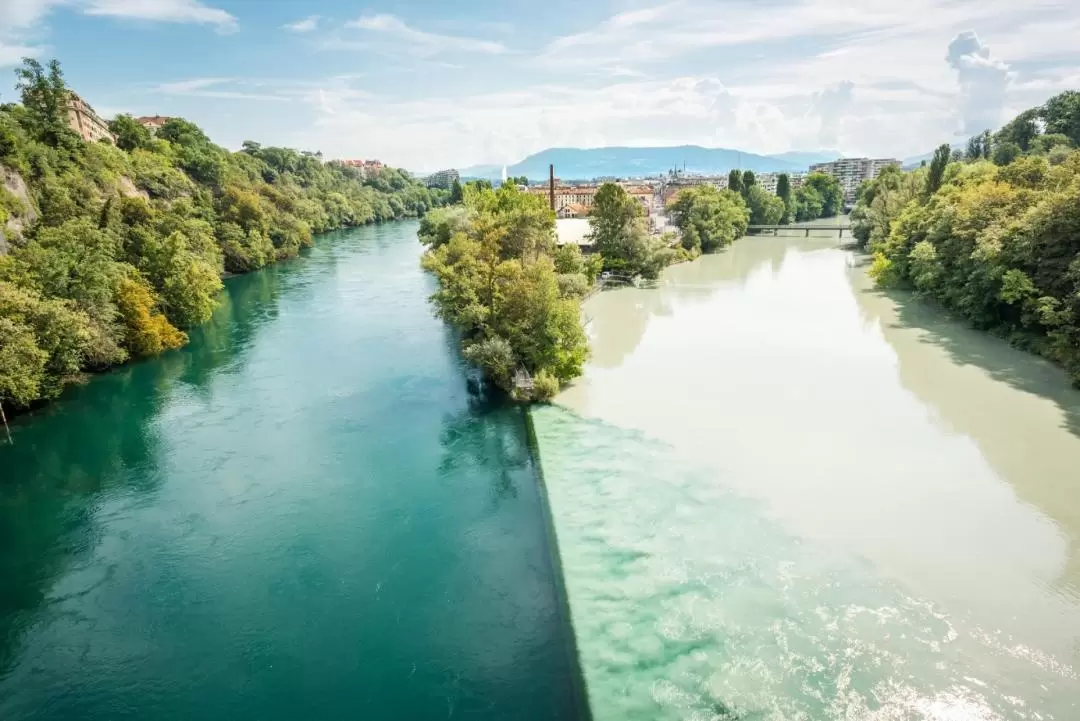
630,161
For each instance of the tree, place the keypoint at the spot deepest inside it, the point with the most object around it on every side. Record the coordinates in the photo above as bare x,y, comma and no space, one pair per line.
456,194
613,213
129,134
45,97
1005,152
940,161
708,218
1046,142
735,181
749,180
765,208
783,191
505,293
22,364
1062,115
974,148
820,193
809,204
1020,131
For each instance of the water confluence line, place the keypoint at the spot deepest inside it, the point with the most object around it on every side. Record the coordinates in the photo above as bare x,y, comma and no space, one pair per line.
579,686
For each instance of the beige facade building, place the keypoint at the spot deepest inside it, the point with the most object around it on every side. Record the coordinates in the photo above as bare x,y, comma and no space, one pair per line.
152,123
84,121
582,196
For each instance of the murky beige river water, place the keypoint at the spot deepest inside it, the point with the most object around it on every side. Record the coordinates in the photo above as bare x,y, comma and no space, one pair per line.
781,494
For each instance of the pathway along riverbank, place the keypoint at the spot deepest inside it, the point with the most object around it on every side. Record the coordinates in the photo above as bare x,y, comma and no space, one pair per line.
780,494
304,514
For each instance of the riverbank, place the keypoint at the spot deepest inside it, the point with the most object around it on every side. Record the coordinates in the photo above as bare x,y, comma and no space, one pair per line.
782,492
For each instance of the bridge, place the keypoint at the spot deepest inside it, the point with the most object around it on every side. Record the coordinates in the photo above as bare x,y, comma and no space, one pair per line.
764,229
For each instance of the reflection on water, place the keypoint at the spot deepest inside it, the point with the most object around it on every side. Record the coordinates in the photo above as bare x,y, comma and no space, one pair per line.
897,461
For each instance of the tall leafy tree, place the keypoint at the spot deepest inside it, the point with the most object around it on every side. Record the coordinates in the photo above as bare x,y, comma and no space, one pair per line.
940,161
1020,131
749,180
708,218
129,134
765,208
974,148
819,197
783,191
1062,115
735,181
1006,151
46,98
613,213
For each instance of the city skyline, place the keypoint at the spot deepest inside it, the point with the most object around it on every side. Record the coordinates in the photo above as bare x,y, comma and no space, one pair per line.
422,87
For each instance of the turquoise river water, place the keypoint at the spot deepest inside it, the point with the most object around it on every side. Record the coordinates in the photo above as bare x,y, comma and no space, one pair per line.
305,514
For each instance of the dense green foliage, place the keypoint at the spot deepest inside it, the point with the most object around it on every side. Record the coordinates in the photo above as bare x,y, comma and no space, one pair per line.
620,234
765,208
820,196
783,192
708,218
734,181
114,250
503,284
1000,244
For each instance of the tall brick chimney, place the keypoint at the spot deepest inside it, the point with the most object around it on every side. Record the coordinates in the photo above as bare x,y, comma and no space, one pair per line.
551,185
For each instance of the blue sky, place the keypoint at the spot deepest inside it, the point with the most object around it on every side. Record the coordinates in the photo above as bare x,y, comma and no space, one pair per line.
431,83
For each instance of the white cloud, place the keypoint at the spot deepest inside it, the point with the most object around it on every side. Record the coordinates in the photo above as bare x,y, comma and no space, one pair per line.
982,82
227,88
21,14
306,25
422,43
503,127
19,20
177,11
12,54
830,105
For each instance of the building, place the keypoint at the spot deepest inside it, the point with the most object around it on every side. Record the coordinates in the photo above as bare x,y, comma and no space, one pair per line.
572,211
443,179
853,172
152,123
367,167
583,196
769,181
84,121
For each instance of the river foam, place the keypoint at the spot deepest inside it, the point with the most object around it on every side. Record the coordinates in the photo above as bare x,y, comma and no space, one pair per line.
688,602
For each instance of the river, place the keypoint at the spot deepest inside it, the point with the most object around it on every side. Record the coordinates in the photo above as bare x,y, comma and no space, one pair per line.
304,514
780,494
777,493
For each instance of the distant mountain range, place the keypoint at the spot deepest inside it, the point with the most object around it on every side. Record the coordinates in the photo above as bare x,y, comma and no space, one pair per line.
586,163
917,160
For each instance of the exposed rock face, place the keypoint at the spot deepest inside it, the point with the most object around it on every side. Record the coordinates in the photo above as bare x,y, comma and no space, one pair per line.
128,189
14,184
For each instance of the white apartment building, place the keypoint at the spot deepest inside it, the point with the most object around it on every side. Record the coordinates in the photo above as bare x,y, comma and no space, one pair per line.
852,172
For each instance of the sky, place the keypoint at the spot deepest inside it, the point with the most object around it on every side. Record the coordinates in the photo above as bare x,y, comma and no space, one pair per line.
429,84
